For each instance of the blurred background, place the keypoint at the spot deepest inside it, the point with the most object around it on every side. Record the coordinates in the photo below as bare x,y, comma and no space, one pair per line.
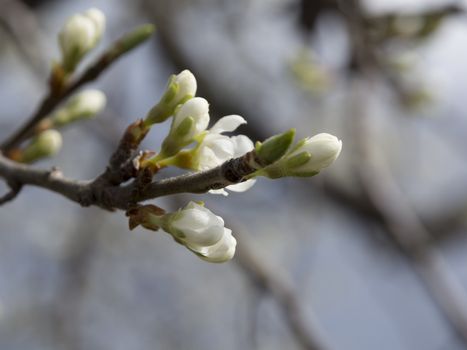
370,254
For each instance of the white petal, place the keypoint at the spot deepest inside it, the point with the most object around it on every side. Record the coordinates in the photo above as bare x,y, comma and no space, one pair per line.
221,191
187,84
242,144
214,150
207,237
98,19
191,219
222,251
242,186
227,124
198,108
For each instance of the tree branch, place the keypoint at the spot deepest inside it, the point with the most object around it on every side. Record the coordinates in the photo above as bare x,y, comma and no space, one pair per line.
108,196
56,96
306,332
15,188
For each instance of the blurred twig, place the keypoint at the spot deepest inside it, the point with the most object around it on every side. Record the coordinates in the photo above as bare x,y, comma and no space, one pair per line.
21,24
406,229
15,188
399,219
263,274
76,265
56,96
266,278
358,203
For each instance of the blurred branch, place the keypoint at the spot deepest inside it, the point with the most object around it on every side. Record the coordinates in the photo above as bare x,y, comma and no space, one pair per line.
56,96
406,229
21,24
15,188
399,219
80,249
443,225
265,276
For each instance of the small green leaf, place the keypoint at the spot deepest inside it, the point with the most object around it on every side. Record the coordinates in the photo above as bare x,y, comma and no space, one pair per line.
275,147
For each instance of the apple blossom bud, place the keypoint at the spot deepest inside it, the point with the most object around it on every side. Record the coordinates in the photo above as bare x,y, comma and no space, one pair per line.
79,35
46,144
180,88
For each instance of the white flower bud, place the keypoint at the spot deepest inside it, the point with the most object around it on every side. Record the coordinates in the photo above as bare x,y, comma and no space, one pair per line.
49,141
89,102
84,105
46,144
197,226
323,150
202,232
189,121
98,18
187,85
79,35
180,89
196,108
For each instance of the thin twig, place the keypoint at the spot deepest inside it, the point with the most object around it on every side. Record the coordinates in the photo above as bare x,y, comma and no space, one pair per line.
408,232
21,24
399,218
265,277
15,188
55,97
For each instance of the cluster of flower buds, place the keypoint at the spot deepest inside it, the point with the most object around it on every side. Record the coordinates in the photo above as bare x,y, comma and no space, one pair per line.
80,34
193,226
191,145
190,126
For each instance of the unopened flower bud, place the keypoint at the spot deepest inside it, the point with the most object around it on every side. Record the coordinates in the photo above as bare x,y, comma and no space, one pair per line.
84,105
307,158
190,120
46,144
180,88
196,226
80,34
202,232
